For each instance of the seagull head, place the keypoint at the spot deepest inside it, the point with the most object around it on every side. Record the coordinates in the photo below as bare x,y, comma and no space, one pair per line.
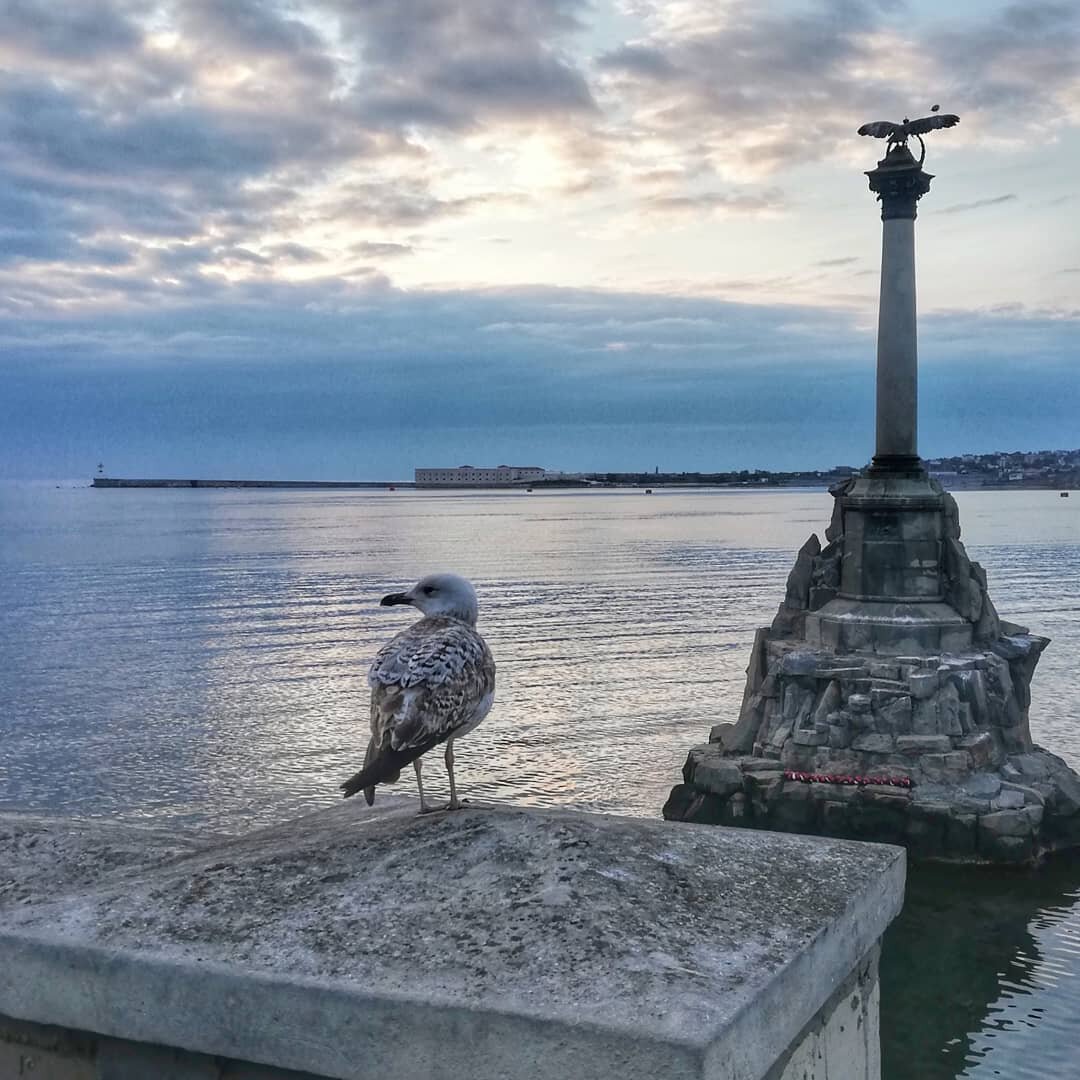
439,594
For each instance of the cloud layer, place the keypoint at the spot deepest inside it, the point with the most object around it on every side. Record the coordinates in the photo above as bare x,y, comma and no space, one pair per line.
364,381
254,128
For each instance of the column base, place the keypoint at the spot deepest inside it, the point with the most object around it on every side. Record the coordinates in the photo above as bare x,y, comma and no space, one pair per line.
888,628
893,535
906,465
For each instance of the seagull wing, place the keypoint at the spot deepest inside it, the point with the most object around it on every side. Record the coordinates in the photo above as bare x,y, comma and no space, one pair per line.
880,129
931,123
433,680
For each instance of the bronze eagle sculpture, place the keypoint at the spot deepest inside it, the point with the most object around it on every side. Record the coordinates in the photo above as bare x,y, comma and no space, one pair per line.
898,134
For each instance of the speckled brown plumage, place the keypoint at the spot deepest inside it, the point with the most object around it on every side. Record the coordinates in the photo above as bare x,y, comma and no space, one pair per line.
433,682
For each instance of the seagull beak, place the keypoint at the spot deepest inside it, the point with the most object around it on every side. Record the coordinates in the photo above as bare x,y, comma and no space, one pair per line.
395,598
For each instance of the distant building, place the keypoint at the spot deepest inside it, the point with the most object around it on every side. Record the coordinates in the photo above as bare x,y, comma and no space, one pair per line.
472,476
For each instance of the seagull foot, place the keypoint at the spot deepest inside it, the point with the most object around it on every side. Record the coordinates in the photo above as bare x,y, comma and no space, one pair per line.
446,807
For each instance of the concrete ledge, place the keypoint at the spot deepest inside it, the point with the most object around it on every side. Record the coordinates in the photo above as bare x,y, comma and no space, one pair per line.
41,857
492,943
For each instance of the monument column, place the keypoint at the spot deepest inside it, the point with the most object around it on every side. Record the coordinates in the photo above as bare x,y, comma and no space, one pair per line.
890,530
887,667
899,182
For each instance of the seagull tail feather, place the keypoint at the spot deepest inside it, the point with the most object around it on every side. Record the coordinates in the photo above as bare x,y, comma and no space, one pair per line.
380,767
369,792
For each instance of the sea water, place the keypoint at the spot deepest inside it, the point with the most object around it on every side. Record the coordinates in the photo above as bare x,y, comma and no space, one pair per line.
198,657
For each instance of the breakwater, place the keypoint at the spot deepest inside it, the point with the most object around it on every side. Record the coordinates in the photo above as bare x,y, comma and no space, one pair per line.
370,485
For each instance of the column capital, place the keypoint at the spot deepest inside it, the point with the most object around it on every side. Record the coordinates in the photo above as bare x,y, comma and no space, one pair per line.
899,182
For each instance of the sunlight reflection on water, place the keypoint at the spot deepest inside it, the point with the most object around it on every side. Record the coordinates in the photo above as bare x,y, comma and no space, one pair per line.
201,655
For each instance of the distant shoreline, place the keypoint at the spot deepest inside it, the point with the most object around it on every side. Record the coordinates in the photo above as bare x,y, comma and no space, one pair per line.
629,485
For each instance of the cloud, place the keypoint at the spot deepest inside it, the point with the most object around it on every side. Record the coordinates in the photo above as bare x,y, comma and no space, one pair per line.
291,252
708,202
453,66
326,319
644,61
90,29
744,86
261,34
1018,68
35,226
93,162
58,129
750,89
845,261
198,137
371,248
403,201
978,204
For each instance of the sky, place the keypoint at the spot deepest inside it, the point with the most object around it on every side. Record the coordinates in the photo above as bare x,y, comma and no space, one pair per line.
340,239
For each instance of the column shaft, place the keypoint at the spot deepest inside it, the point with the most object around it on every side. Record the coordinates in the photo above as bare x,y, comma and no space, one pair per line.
897,358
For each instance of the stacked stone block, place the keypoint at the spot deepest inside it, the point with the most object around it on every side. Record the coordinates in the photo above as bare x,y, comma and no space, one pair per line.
950,724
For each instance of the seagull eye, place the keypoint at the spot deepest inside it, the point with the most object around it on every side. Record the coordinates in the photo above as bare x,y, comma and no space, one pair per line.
429,590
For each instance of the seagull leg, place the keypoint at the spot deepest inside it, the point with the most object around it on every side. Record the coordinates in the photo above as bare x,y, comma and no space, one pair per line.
424,808
449,758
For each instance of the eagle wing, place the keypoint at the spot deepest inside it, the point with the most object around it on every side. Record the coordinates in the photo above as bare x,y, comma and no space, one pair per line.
881,129
433,680
931,123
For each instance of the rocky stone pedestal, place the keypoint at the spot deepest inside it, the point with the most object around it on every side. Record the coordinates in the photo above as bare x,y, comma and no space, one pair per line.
888,701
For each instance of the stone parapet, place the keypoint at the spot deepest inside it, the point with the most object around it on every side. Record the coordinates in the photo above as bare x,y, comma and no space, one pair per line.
492,943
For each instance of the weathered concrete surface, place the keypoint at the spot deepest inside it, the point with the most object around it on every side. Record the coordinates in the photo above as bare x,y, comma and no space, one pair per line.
41,857
843,1042
491,943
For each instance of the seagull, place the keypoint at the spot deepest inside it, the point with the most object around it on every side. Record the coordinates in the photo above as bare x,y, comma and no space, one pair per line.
431,684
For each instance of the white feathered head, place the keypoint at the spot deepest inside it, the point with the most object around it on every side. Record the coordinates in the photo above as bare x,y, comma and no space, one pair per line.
440,594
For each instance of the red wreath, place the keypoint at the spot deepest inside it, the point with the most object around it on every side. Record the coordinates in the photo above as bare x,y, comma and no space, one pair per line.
832,778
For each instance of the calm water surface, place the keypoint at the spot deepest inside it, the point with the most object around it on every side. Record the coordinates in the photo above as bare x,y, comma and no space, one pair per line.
199,657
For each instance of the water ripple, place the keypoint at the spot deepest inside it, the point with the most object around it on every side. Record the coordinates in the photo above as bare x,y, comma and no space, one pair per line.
199,657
